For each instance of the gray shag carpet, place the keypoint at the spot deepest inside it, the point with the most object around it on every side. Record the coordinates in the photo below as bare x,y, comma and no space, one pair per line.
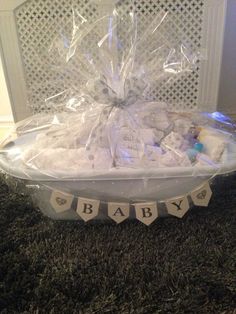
173,266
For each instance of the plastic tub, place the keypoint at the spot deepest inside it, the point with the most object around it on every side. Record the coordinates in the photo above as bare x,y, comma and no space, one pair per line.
117,185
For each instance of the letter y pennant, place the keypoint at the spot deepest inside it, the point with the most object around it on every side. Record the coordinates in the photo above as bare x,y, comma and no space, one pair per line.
177,206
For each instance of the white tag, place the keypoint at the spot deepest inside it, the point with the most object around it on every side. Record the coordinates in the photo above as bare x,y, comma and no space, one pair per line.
61,201
146,212
177,206
202,196
118,211
87,209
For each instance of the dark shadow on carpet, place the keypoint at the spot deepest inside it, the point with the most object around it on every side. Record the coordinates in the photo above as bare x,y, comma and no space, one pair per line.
173,266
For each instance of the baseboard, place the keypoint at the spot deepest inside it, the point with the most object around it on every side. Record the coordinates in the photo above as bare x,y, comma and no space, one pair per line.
6,121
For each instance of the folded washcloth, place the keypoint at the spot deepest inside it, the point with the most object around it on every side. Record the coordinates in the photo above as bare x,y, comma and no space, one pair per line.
174,159
214,143
61,159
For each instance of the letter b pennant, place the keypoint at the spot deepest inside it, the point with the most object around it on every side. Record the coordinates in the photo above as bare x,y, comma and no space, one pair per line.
146,212
87,209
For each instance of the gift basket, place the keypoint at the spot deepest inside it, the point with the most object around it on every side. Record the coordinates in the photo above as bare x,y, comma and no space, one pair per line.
108,150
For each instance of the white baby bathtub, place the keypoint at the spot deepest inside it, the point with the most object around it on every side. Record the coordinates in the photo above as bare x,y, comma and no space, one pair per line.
117,185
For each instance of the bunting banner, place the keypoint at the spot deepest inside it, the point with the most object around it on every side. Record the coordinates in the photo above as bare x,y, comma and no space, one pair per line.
146,212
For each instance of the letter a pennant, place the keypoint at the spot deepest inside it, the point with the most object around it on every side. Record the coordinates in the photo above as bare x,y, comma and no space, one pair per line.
118,211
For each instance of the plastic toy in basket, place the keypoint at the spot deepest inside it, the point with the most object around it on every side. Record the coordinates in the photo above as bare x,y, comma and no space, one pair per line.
107,150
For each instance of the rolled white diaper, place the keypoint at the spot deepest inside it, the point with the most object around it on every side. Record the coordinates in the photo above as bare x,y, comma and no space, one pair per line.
128,153
152,156
151,136
182,126
172,142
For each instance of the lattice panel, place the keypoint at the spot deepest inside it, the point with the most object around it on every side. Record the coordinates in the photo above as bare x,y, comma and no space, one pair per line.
39,21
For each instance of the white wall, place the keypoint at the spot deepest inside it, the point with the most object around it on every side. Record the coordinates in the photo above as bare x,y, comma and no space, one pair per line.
227,90
5,107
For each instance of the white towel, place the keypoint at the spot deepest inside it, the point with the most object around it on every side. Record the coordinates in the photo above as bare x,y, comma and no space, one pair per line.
174,159
61,159
182,126
214,143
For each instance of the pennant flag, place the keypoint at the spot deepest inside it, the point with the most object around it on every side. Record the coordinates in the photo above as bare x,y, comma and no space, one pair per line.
202,196
87,209
118,211
177,206
146,212
61,201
